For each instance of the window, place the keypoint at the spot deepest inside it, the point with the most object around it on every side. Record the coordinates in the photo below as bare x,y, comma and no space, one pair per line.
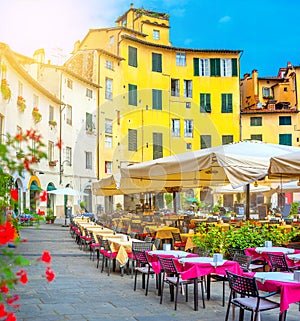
69,83
69,114
256,137
51,113
156,62
226,103
157,145
132,56
227,139
285,120
285,139
156,34
188,128
205,106
108,88
187,88
109,64
156,99
188,146
88,160
108,126
108,167
175,127
1,129
35,100
132,95
108,141
89,93
226,68
132,140
111,40
215,67
201,67
266,91
69,155
255,121
50,151
20,88
180,59
89,125
205,141
175,87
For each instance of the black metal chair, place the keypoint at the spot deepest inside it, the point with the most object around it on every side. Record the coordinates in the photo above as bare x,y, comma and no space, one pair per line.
173,278
177,241
249,299
278,263
144,267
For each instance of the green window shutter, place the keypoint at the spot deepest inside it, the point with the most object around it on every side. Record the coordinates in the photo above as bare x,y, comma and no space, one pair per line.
132,140
229,109
156,99
285,139
208,105
157,145
89,121
132,95
202,103
196,66
156,62
234,67
132,56
226,103
215,69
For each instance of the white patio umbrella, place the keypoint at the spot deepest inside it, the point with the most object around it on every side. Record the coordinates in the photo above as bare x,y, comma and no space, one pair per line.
67,191
228,189
286,164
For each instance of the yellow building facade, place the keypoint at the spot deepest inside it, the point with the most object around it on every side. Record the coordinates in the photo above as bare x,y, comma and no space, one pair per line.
157,100
269,107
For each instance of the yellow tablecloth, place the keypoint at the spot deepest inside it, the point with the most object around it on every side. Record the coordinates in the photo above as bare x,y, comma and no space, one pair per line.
164,232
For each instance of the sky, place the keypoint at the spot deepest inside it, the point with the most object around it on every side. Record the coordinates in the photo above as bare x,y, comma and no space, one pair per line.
268,32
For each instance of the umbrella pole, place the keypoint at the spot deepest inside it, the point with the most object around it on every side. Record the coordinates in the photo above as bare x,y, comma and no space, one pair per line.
247,209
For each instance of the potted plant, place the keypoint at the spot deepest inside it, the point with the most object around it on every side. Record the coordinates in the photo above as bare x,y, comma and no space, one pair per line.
50,216
21,103
294,209
37,116
5,90
52,163
52,122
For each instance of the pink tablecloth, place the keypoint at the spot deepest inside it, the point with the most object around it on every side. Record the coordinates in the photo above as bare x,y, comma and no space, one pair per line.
289,291
199,267
153,257
252,252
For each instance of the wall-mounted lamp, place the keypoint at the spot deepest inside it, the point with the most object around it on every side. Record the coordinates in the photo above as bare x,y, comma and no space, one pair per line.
255,184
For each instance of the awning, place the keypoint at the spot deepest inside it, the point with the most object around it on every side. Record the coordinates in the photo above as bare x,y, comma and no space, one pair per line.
35,188
51,188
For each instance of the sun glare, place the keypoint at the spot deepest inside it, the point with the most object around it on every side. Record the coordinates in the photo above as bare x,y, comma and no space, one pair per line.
33,24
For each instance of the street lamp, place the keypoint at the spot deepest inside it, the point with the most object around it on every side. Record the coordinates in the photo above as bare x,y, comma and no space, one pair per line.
61,169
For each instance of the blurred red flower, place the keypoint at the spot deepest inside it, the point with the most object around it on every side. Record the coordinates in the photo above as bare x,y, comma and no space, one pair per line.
46,257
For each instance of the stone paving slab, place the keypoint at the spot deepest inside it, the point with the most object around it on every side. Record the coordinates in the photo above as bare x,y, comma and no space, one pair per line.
80,292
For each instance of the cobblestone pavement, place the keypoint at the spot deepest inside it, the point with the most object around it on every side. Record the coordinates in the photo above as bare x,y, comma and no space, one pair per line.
81,292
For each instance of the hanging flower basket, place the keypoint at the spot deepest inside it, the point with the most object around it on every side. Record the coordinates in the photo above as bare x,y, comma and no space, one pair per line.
52,163
5,90
21,104
37,116
52,122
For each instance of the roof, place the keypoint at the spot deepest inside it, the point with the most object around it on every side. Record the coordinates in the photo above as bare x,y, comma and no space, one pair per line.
10,56
151,44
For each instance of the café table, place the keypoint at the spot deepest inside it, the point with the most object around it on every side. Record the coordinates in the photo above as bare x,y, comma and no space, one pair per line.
122,247
192,267
262,252
153,259
283,283
164,232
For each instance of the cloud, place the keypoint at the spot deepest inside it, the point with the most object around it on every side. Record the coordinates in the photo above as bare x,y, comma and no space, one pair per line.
225,19
188,41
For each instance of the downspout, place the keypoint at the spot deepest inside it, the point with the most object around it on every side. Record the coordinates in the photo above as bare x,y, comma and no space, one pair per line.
98,119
